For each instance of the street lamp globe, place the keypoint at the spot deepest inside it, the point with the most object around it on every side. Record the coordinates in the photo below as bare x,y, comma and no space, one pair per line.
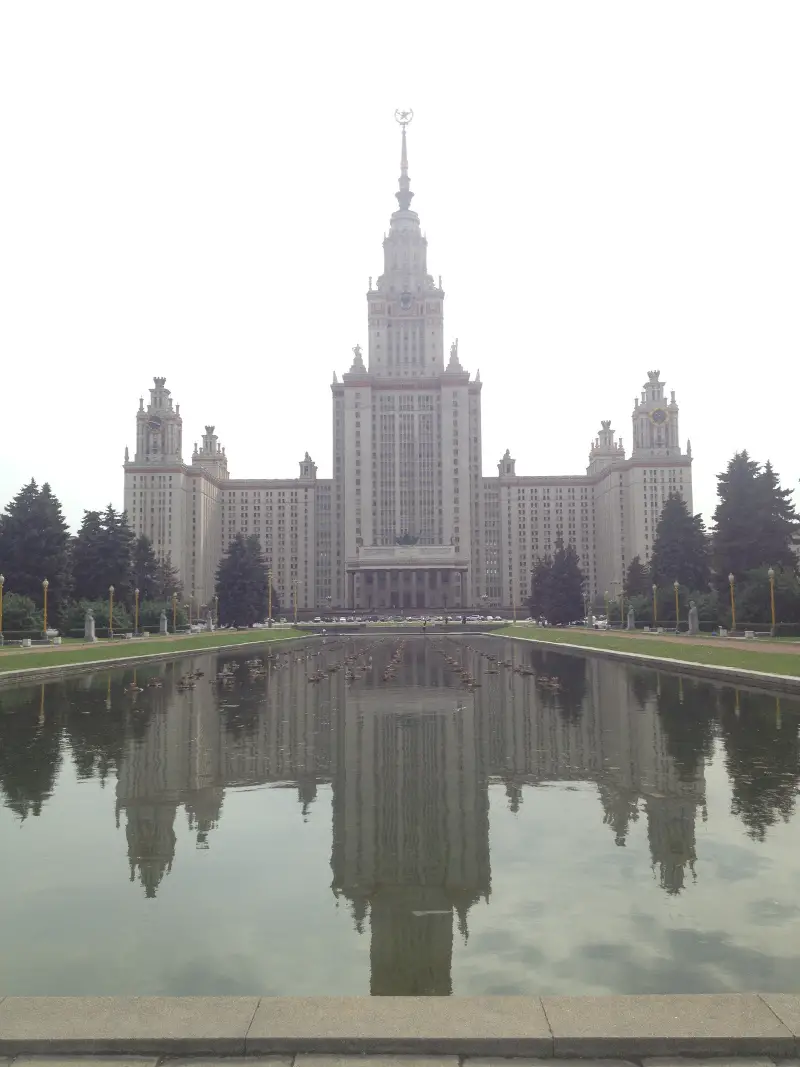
770,575
676,585
731,578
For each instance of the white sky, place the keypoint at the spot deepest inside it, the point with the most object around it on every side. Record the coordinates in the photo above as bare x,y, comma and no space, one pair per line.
200,190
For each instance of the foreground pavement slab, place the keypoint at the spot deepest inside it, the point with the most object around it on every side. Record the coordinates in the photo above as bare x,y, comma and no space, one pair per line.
313,1060
716,1061
787,1007
504,1026
499,1061
227,1061
96,1025
739,1024
83,1061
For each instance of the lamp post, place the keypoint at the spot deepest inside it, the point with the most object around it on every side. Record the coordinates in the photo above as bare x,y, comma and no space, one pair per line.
45,584
110,611
329,601
216,611
655,604
136,611
770,575
731,582
174,612
676,587
2,583
606,601
294,599
269,596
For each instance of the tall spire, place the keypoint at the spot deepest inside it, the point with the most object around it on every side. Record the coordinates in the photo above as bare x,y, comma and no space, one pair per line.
404,196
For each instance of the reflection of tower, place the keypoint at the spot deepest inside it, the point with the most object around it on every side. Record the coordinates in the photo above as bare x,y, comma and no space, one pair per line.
671,833
410,824
151,842
176,761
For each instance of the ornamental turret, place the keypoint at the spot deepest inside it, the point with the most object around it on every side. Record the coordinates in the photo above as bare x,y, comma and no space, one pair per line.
655,420
159,428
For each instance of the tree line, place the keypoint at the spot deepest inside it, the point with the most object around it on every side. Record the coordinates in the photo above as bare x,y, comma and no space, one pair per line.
754,525
36,544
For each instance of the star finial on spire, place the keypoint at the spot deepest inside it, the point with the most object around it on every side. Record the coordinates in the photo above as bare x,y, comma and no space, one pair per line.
404,196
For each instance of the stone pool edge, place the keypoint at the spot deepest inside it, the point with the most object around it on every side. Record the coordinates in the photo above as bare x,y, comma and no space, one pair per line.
739,1024
757,679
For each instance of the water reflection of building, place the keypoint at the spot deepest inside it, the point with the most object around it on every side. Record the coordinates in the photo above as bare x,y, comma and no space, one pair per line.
613,737
191,751
410,820
409,760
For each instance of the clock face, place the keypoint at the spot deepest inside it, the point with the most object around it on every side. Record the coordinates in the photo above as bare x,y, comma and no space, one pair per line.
659,416
154,424
405,301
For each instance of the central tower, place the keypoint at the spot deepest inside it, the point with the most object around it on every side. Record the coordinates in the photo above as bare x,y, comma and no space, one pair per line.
405,308
406,441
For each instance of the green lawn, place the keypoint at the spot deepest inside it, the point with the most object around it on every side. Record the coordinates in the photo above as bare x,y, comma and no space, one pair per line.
16,659
750,658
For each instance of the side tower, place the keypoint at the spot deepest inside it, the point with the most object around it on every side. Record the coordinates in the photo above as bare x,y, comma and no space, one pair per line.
658,466
155,480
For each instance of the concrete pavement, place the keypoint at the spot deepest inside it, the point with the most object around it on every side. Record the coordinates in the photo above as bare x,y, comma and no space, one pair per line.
631,1028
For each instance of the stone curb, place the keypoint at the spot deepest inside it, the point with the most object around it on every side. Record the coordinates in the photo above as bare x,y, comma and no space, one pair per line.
757,679
744,1024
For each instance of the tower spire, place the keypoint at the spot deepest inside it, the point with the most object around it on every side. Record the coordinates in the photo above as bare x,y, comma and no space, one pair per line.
404,195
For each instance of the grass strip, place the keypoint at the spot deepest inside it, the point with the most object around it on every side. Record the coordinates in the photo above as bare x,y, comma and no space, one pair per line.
750,659
21,659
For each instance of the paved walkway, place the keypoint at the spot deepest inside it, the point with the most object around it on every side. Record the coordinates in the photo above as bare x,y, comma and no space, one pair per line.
311,1060
761,644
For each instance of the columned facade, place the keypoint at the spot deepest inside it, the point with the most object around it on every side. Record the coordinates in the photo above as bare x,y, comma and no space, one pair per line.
396,578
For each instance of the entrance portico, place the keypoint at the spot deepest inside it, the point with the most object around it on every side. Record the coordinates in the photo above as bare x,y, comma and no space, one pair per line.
402,577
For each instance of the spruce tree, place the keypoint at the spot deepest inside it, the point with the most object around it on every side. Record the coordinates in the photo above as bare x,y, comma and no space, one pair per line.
145,569
34,545
541,583
680,550
637,580
87,550
777,520
736,526
241,583
566,589
168,581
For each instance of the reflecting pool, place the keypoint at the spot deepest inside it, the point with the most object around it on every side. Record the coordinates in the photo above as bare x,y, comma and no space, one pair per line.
427,815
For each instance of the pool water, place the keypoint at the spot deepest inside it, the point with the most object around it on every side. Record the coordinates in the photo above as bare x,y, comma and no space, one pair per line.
397,816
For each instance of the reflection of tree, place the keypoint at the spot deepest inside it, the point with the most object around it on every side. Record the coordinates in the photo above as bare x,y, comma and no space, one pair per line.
620,809
96,731
569,691
30,747
643,684
762,757
687,710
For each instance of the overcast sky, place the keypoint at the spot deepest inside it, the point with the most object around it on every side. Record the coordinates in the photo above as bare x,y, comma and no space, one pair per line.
200,191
